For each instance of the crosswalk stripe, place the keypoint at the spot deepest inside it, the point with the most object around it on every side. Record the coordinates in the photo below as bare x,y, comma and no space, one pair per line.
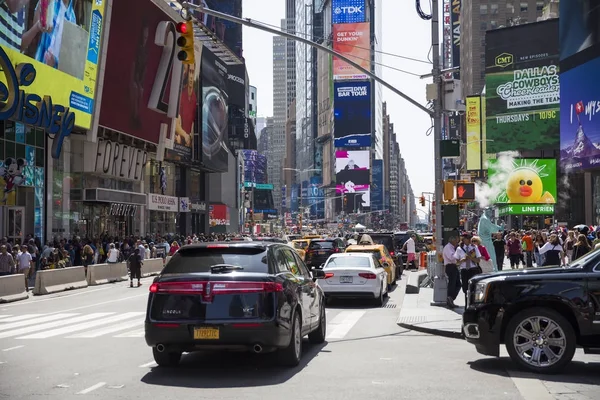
53,324
109,329
83,326
32,321
20,318
4,316
343,322
132,334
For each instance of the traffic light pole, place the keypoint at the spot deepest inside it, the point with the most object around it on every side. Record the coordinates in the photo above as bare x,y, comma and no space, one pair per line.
440,285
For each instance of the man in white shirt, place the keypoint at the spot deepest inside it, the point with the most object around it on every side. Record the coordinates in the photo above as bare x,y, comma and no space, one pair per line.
409,247
451,270
24,261
467,256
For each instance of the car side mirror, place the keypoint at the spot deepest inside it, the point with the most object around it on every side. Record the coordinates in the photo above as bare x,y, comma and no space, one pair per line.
318,273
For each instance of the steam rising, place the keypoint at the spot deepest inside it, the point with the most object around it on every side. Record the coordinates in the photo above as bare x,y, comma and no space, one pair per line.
486,193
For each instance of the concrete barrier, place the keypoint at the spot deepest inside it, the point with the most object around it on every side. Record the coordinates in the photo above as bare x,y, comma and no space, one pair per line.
152,266
415,278
99,274
12,288
58,280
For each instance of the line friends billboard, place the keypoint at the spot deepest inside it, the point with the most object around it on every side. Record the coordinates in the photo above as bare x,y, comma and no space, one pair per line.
354,42
352,114
61,40
522,87
523,180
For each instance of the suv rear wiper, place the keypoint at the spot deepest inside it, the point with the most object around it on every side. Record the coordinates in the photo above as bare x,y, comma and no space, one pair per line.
224,267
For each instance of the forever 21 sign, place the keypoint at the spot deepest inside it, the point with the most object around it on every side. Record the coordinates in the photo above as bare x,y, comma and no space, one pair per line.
120,160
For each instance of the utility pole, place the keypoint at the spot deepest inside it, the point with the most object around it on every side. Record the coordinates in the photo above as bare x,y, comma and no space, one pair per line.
439,280
440,285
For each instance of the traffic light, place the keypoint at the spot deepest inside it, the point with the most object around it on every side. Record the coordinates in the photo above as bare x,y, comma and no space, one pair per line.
186,42
465,191
448,190
403,199
422,201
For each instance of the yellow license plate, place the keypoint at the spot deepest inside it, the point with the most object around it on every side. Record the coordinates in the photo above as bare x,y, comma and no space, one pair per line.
206,333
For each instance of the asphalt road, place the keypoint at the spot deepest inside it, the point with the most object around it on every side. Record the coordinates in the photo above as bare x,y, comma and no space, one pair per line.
89,343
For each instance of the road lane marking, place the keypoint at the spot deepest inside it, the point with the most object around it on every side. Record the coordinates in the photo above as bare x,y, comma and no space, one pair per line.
103,303
529,386
150,364
13,348
54,324
4,316
110,329
343,322
92,388
20,318
82,327
132,334
21,303
33,321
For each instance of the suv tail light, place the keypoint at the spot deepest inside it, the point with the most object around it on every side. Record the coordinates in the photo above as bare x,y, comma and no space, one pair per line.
328,275
210,288
392,253
337,250
367,275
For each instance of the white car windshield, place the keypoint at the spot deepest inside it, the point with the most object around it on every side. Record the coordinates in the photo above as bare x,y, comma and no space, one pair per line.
345,262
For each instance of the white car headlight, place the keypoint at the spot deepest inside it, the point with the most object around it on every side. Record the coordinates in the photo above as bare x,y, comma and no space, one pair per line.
480,292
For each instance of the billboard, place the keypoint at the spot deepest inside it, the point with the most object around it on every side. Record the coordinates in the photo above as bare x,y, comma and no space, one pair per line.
455,26
347,11
218,214
134,71
352,114
579,87
316,197
523,180
236,85
214,112
473,125
255,167
377,187
62,43
354,42
522,87
229,32
352,171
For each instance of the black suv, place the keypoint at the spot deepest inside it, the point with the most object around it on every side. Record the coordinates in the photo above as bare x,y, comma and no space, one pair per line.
540,314
252,296
319,250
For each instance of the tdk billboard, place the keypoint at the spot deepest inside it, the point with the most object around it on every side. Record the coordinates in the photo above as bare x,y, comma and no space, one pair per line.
348,11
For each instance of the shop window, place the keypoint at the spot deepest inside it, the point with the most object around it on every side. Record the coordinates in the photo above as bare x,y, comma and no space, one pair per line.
524,7
30,136
20,151
483,9
9,131
40,138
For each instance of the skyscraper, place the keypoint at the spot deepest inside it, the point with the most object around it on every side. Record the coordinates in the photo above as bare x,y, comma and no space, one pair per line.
277,138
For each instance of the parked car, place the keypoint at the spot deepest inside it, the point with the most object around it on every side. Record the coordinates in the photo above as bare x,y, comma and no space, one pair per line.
379,251
354,275
540,314
319,250
249,296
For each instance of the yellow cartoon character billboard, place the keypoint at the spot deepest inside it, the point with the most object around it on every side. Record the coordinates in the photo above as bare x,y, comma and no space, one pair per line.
524,180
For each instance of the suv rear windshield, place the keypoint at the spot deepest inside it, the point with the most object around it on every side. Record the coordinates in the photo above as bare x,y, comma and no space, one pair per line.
317,244
252,259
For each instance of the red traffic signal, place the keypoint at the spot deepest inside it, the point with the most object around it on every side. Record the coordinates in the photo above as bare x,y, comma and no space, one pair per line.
181,28
465,191
422,201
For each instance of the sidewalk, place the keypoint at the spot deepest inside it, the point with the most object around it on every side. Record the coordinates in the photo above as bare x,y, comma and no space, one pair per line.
419,315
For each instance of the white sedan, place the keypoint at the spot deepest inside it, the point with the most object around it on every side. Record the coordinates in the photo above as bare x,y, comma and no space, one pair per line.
358,275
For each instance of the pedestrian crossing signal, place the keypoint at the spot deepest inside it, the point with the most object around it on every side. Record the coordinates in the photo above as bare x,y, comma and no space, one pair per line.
465,191
185,41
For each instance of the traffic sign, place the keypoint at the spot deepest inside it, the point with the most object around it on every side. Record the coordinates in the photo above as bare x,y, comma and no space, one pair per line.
465,191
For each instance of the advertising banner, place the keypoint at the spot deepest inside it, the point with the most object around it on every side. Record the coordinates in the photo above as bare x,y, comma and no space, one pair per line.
523,180
352,171
229,32
447,35
347,11
218,214
283,199
377,187
579,87
186,127
473,121
316,197
236,85
62,43
354,42
134,71
523,209
255,167
522,87
214,112
294,197
455,26
352,114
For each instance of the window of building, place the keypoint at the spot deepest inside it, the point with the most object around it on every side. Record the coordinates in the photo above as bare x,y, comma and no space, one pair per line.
484,26
483,9
539,6
524,7
493,24
493,8
510,8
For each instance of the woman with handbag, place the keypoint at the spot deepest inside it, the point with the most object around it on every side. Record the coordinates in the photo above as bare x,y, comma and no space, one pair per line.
485,262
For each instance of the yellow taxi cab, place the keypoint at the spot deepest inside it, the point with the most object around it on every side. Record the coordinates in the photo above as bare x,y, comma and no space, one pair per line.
300,245
312,237
384,257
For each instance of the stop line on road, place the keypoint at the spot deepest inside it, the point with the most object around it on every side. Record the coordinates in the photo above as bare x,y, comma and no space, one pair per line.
124,325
